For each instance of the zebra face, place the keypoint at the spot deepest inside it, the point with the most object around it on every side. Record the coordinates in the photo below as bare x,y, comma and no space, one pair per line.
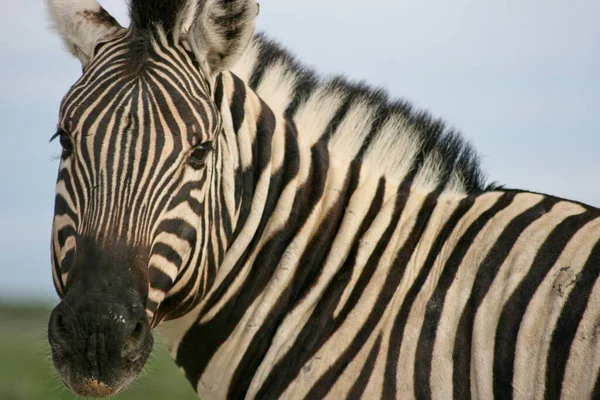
136,190
131,207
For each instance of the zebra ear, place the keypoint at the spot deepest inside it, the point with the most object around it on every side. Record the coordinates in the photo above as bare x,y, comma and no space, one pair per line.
219,32
81,24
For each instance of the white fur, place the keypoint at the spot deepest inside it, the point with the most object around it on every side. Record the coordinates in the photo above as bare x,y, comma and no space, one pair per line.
246,64
351,134
392,153
314,115
78,24
279,84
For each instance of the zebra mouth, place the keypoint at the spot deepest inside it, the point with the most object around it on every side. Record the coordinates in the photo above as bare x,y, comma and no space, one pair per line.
99,344
113,382
93,388
107,382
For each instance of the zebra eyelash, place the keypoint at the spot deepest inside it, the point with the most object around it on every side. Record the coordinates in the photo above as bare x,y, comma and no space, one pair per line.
57,134
65,141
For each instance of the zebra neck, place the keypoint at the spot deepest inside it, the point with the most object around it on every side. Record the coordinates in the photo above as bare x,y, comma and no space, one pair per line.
247,159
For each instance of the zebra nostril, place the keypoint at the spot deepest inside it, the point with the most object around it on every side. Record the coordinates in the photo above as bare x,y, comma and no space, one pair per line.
58,331
134,342
137,331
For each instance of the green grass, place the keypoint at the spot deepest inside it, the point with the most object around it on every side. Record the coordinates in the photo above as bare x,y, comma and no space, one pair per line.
26,371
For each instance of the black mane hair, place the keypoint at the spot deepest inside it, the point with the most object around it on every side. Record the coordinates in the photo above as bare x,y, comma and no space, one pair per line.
457,155
147,14
146,17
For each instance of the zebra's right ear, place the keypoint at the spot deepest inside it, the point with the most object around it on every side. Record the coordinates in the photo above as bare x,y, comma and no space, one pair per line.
81,24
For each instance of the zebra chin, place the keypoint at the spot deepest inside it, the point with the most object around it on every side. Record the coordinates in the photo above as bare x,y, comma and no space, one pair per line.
99,342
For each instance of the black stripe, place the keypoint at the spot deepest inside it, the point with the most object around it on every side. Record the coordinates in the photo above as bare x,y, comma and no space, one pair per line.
178,227
385,296
181,302
306,83
72,190
61,207
159,203
596,391
100,138
159,280
185,101
209,336
59,285
181,64
484,278
218,96
514,310
567,324
321,324
267,55
178,304
437,300
67,264
144,137
238,102
226,217
180,99
360,384
184,195
422,370
132,160
151,305
215,218
380,118
96,73
338,117
118,160
394,278
64,233
261,158
168,253
305,276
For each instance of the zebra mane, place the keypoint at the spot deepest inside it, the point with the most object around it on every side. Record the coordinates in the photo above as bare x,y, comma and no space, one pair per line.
147,18
389,135
147,14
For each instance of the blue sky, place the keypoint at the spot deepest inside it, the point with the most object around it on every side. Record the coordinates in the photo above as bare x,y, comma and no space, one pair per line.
519,79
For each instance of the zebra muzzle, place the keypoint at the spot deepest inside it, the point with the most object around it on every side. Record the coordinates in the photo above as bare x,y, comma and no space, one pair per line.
99,344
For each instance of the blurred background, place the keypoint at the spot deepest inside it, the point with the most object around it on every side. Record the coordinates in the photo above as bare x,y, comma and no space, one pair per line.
520,79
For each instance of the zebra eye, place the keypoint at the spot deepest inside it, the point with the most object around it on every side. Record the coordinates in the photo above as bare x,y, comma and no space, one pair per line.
65,142
198,156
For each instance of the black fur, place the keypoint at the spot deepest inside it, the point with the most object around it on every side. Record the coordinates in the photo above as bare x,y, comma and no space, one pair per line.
146,17
147,14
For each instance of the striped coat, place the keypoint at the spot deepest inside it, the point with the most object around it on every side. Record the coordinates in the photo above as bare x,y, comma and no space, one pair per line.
292,237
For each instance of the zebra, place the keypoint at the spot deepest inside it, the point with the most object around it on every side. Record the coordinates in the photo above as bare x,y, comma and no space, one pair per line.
295,237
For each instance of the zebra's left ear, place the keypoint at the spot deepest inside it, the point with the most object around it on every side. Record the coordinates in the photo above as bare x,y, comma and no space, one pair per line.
219,32
81,24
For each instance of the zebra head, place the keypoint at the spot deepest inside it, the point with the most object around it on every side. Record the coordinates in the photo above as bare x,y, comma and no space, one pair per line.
135,193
